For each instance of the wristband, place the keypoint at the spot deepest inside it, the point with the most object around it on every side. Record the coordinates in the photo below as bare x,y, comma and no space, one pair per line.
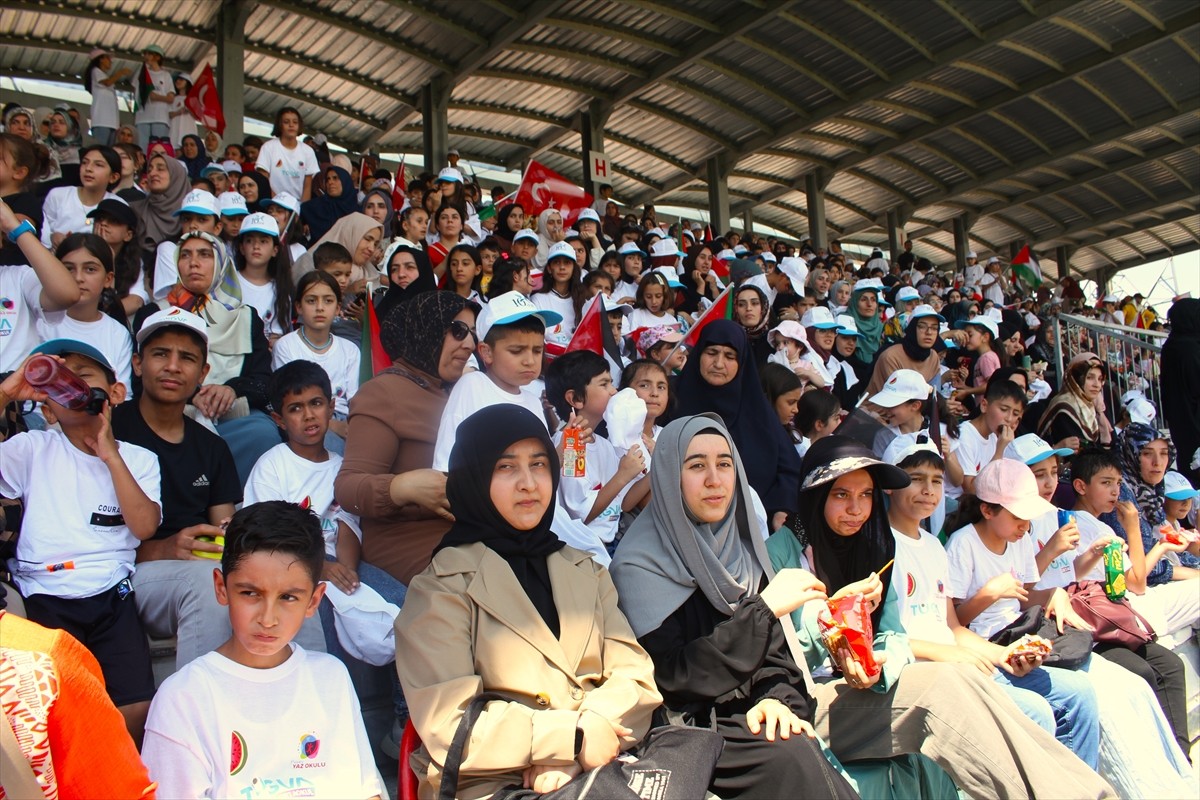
25,227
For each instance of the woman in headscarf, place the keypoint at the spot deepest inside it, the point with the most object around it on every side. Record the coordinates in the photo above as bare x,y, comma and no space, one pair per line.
722,377
1074,417
338,200
191,153
510,220
752,311
386,477
234,394
697,586
864,308
698,279
361,236
519,613
409,274
1180,371
166,185
377,204
1042,350
255,188
64,140
551,230
950,712
919,350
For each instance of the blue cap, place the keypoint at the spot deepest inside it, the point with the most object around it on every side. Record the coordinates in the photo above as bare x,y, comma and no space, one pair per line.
61,347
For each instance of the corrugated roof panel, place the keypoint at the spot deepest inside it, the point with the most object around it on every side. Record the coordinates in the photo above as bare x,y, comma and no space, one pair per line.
541,63
861,31
690,146
934,164
751,185
520,127
538,98
965,150
862,193
926,101
1002,137
1091,202
844,130
1046,126
698,109
901,181
1187,163
1127,89
197,15
821,148
1092,113
396,23
1068,215
738,91
1172,69
775,165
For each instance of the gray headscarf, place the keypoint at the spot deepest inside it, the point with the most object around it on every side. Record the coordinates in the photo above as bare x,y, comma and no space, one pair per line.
667,554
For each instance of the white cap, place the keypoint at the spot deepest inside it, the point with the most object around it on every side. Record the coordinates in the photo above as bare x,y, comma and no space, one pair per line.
993,260
587,213
526,233
847,325
986,322
1110,298
796,270
560,250
1176,487
864,284
284,200
903,386
232,204
788,329
994,314
907,293
510,307
453,151
924,310
613,305
1130,396
768,257
450,175
198,201
671,275
631,248
726,255
665,248
1011,484
1032,449
232,166
260,223
972,255
906,444
212,166
1141,410
818,317
173,316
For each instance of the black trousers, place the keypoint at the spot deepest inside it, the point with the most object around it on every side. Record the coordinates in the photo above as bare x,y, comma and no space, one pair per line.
1163,670
752,767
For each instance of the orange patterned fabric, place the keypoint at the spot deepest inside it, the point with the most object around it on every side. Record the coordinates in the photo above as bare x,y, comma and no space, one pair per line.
52,692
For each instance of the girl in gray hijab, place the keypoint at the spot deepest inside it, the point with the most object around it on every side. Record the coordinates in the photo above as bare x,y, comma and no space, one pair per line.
697,586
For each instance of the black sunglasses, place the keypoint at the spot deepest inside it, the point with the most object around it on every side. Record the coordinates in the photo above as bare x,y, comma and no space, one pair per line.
461,330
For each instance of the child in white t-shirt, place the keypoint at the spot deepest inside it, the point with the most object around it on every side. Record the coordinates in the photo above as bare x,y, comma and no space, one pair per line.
89,501
983,439
259,713
288,162
264,272
1054,543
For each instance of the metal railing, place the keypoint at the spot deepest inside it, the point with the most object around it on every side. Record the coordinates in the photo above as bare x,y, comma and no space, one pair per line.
1130,354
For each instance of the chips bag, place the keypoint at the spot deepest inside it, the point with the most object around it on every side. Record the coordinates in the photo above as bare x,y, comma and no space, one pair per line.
846,624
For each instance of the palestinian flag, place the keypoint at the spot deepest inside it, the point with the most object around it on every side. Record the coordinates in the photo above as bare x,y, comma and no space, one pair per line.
373,359
145,87
595,334
722,308
1025,266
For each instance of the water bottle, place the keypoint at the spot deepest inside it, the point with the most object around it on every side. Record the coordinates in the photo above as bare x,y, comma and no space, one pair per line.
63,386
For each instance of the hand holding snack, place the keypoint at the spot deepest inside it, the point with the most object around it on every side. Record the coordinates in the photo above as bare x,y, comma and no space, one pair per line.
847,633
1029,648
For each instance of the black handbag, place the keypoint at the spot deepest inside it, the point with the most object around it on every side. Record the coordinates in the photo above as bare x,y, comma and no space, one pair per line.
673,763
1072,647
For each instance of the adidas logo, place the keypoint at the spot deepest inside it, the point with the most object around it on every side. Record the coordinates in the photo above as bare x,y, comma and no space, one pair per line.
201,481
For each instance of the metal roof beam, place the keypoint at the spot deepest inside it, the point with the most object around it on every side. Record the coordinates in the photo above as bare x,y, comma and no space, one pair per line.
737,74
439,18
635,176
103,15
1151,207
357,78
648,149
834,42
506,111
712,98
580,56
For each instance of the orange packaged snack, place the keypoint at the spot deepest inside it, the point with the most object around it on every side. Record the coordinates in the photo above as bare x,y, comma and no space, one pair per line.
1030,645
846,625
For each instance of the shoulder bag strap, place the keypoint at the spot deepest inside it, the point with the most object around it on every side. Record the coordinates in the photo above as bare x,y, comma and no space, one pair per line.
449,786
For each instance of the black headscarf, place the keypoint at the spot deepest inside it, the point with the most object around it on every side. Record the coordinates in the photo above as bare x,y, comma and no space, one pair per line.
322,211
414,332
840,560
1180,371
502,234
426,280
914,350
772,465
482,438
264,189
194,165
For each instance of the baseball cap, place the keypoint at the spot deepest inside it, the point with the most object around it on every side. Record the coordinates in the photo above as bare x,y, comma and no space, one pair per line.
560,250
847,326
232,166
904,385
972,254
283,200
1110,298
796,270
117,209
665,248
232,205
671,275
819,317
768,257
212,166
924,310
907,293
994,260
453,151
260,223
153,48
868,284
587,213
655,334
450,175
510,307
198,201
1176,487
788,329
613,305
631,248
1032,449
1009,483
61,347
906,444
168,317
526,233
1141,410
988,324
96,53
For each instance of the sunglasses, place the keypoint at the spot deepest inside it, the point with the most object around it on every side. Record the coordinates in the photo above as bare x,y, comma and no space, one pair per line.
460,330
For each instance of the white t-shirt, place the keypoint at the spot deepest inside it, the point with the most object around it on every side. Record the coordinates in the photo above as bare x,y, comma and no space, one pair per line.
74,541
924,572
475,390
1061,570
974,452
298,729
22,291
64,212
262,300
992,288
181,124
166,271
643,318
155,110
973,275
1091,529
549,301
624,289
107,335
972,565
286,168
578,495
340,362
280,474
104,102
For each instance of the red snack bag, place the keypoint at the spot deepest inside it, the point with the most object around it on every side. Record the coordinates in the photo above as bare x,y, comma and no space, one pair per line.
846,623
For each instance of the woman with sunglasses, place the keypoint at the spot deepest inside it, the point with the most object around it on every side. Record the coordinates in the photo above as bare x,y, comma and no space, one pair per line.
386,477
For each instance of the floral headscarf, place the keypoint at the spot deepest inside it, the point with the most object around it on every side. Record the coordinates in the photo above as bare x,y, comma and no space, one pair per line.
1130,444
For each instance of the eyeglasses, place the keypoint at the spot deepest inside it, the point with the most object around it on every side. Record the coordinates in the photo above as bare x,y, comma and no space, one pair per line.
461,330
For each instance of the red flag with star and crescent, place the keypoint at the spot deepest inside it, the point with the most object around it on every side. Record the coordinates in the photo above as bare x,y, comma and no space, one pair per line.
204,103
542,188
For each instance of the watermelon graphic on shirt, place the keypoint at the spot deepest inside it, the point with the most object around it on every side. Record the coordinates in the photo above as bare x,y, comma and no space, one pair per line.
237,754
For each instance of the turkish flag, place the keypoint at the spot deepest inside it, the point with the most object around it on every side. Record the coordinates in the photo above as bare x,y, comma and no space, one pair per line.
542,188
399,189
593,333
204,103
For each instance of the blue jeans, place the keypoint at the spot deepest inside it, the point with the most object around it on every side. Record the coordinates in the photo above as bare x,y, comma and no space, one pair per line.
390,590
1032,705
104,135
146,130
1076,712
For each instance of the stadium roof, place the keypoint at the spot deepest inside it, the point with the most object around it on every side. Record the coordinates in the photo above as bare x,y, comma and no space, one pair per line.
1055,122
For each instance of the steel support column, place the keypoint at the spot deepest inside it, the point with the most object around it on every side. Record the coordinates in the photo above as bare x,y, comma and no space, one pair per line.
814,190
962,241
231,67
718,194
435,135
